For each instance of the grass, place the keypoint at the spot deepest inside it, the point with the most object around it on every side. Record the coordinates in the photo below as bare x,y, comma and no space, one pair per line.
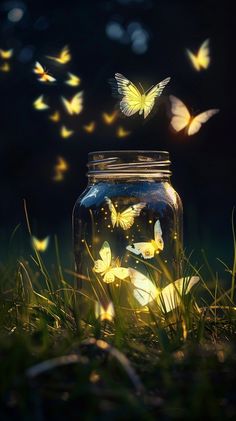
54,363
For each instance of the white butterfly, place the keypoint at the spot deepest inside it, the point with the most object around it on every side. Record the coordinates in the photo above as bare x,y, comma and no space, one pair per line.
168,299
148,249
133,100
104,267
145,291
182,118
126,218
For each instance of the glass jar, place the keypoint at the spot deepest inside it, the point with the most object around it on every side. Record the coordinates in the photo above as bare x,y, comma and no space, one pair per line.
127,228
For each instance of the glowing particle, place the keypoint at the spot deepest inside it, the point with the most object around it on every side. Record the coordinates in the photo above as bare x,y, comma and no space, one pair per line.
82,241
105,218
102,209
127,237
15,14
105,213
150,221
94,377
108,226
136,261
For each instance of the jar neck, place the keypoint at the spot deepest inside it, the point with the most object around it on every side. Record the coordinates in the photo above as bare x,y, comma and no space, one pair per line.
128,166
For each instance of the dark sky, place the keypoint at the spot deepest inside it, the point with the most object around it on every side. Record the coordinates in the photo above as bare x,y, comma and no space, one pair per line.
203,165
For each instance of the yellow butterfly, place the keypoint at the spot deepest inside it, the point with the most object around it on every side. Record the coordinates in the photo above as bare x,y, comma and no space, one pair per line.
121,132
5,67
42,73
133,100
40,104
148,249
55,117
144,290
90,127
105,268
182,118
63,57
40,245
75,105
171,296
60,168
109,118
65,133
124,219
201,60
6,54
73,80
104,312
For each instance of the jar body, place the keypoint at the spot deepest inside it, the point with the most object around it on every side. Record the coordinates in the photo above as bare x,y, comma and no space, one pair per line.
127,233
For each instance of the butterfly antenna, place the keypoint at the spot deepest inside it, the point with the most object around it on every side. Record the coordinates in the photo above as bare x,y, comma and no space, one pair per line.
141,87
149,89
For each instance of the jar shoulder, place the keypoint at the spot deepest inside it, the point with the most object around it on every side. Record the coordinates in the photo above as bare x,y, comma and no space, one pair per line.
149,192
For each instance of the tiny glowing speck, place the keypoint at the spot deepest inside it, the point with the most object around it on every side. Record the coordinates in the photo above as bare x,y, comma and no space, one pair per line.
150,221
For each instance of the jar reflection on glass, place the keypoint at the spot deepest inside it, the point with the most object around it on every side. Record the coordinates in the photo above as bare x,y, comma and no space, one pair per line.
127,229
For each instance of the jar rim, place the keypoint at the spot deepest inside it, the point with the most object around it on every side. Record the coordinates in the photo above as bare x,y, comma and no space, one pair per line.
128,163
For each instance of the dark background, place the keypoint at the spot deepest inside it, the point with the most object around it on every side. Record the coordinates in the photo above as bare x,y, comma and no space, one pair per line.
203,165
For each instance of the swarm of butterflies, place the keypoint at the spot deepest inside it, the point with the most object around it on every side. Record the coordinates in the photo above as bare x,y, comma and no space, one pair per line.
133,101
144,290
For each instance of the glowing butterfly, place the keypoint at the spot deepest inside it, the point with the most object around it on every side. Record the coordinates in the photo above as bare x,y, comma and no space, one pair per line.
75,105
40,245
171,296
63,57
105,269
104,312
148,249
65,133
55,117
201,60
42,73
133,100
60,168
39,104
182,118
5,67
109,118
124,219
121,132
90,127
145,291
6,54
73,80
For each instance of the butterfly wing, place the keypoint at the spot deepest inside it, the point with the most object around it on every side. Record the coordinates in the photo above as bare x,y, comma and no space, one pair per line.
126,218
38,68
158,235
203,55
147,250
181,116
118,272
193,59
65,132
112,209
145,291
197,121
152,94
170,296
131,97
103,264
77,103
